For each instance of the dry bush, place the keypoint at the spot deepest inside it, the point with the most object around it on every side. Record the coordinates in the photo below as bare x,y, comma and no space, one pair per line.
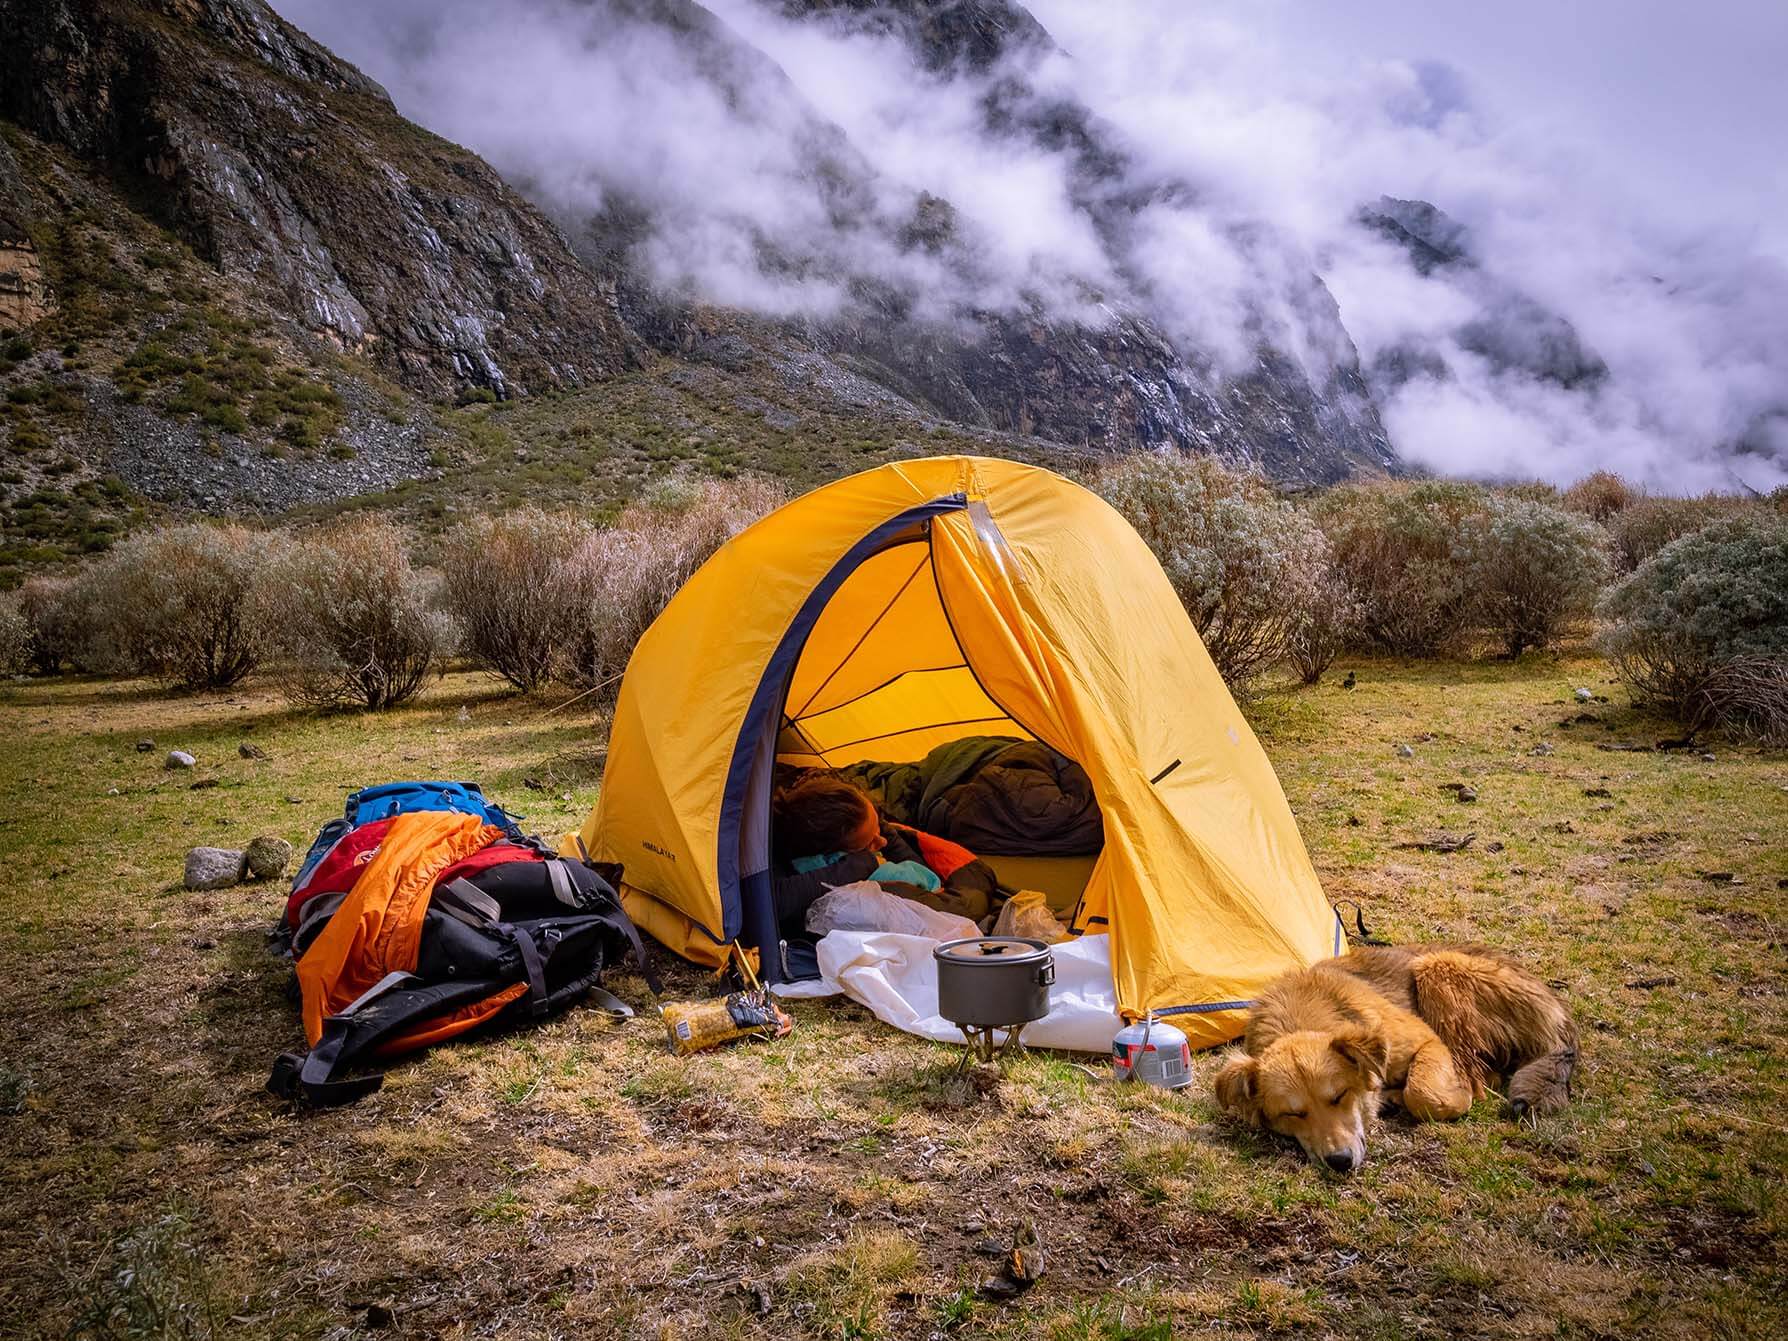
1534,491
1249,568
1404,552
504,581
15,636
1702,627
1329,622
57,623
1600,495
622,577
1747,696
356,624
177,603
1536,568
1649,524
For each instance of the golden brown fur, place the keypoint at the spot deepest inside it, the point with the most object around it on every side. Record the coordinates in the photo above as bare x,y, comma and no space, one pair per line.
1425,1026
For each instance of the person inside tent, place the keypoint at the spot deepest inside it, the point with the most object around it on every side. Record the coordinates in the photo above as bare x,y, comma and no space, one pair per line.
827,833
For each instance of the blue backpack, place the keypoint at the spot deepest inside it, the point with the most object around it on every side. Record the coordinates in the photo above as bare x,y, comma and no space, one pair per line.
398,798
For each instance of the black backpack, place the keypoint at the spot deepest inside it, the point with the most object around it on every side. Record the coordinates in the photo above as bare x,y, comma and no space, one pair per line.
549,922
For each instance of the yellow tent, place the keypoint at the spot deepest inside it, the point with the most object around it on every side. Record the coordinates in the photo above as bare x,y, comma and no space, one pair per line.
919,603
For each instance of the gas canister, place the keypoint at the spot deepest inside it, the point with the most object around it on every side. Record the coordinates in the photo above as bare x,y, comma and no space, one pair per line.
1153,1052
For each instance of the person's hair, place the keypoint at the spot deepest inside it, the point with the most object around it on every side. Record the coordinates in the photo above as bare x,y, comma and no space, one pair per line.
817,814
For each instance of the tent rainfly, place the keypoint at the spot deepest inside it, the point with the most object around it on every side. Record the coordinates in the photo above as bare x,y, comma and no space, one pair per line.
921,602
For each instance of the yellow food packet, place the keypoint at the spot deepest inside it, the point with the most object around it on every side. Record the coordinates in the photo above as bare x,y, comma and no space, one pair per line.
695,1025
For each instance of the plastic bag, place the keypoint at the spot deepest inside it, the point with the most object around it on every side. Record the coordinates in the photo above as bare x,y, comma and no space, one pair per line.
1027,914
866,906
696,1025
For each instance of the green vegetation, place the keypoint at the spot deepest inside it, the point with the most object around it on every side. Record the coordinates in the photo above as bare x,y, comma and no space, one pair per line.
53,523
574,1179
231,381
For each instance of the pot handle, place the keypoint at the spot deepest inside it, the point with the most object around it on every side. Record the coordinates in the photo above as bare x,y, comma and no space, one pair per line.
1046,974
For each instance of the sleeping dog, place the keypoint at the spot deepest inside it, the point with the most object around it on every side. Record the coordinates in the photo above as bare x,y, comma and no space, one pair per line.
1423,1026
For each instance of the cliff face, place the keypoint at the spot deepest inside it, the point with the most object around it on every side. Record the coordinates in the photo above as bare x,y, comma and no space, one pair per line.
1117,384
290,171
1511,331
234,278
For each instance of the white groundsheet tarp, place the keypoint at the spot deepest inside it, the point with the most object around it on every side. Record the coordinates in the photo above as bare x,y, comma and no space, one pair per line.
896,977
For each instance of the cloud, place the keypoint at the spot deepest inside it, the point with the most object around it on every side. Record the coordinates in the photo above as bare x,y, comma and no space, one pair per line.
783,163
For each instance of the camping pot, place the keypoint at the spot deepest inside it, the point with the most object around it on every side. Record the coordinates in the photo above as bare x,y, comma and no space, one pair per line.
1153,1052
992,982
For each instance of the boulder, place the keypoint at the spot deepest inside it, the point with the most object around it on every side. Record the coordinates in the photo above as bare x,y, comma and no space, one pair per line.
267,857
213,867
178,759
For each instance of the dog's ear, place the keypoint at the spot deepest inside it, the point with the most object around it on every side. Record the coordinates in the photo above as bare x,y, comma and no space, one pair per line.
1237,1087
1366,1050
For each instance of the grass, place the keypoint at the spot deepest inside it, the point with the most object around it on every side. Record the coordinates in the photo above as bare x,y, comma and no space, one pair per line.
573,1179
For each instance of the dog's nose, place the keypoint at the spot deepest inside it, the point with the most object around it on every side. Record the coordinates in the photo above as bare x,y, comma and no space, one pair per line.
1341,1161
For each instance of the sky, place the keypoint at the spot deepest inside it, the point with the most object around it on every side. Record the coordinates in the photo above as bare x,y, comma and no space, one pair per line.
1616,162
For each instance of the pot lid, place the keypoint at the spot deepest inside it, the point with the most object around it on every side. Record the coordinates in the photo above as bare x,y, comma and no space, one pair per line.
992,950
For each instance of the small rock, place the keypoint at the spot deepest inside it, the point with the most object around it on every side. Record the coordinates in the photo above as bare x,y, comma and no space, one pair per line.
294,800
249,750
1405,752
1543,748
1564,826
1597,791
1708,758
178,759
974,1226
991,1247
1493,846
1466,795
113,791
213,867
267,857
144,746
1585,696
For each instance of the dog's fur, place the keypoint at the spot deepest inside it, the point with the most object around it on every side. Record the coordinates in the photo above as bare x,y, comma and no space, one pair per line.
1425,1026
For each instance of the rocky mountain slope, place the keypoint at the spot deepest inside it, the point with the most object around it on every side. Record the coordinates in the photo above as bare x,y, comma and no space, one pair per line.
233,277
1117,384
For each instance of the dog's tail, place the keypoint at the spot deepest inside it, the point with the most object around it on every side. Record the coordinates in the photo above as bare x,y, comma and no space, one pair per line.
1496,1017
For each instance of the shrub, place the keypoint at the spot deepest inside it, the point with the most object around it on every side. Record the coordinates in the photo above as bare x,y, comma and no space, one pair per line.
15,636
1402,551
1327,624
57,624
1248,567
177,603
356,623
1600,495
1701,627
1647,525
621,577
505,582
1536,567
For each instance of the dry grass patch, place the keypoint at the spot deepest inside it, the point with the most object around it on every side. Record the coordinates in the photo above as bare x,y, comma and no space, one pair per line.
575,1180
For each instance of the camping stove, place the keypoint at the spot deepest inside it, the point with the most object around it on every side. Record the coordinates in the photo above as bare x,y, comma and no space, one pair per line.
990,983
